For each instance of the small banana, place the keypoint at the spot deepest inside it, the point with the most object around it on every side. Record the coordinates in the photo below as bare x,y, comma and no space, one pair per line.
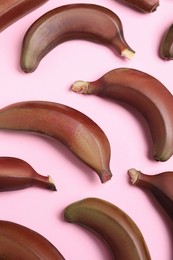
114,226
68,125
28,244
159,185
12,10
74,21
146,94
147,6
166,47
17,174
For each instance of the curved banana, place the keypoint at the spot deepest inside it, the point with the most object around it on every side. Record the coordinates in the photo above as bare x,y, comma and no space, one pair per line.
147,6
17,174
166,47
68,125
114,226
159,185
12,10
74,21
145,93
28,239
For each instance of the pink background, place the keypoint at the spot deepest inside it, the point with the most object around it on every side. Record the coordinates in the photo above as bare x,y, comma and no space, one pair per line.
127,131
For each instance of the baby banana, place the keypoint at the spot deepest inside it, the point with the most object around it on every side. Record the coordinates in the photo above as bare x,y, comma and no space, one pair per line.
27,243
68,125
12,10
145,93
114,226
159,185
17,174
147,6
74,21
166,48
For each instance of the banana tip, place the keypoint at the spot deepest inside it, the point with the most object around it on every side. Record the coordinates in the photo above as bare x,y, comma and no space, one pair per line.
80,87
162,157
128,54
52,184
105,176
133,174
155,7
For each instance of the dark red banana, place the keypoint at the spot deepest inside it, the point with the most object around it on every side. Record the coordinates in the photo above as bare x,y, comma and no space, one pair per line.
159,185
147,6
34,244
17,174
65,124
74,21
12,10
166,48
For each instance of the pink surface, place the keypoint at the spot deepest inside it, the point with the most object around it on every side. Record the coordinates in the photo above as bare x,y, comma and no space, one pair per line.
127,131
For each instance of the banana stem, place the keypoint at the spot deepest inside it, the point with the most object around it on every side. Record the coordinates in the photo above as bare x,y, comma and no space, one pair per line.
45,181
128,54
80,87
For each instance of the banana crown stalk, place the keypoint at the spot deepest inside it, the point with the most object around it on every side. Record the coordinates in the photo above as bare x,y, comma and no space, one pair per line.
146,94
73,21
114,226
159,185
79,133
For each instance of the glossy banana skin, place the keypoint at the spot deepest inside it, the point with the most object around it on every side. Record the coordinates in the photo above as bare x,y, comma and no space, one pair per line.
27,242
17,174
12,10
71,127
74,21
114,226
159,185
166,48
146,94
11,250
147,6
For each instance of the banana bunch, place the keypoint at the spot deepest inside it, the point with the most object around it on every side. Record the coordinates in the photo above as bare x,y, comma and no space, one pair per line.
80,134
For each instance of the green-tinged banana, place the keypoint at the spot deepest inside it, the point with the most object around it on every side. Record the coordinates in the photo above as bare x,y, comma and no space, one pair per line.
68,125
114,226
17,174
146,94
12,10
147,6
159,185
28,239
74,21
166,47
